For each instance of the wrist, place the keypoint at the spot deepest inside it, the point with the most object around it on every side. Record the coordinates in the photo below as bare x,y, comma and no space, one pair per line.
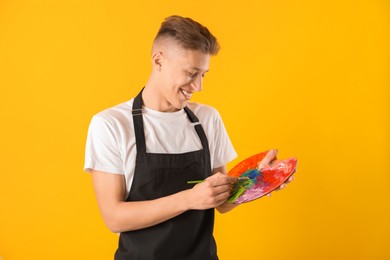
183,200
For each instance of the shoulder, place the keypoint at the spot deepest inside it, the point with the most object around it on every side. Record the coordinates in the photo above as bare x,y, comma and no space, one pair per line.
116,115
204,112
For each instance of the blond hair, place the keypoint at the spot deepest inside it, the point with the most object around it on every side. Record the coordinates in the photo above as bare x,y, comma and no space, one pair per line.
189,34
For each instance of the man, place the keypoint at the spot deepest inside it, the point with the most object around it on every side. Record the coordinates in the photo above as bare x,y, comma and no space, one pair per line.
142,153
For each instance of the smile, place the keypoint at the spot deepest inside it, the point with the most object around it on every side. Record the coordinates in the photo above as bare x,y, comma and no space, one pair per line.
186,94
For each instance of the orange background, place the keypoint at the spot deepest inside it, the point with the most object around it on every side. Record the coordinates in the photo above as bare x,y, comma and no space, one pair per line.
310,78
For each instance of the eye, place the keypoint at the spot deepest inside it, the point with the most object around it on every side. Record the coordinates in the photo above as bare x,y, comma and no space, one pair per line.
192,75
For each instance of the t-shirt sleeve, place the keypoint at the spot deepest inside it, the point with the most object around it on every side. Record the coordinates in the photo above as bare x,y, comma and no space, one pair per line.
102,151
223,151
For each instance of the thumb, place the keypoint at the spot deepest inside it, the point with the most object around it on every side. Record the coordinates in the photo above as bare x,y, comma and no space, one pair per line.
271,155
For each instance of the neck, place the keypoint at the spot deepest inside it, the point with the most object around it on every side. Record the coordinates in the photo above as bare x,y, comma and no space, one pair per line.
153,98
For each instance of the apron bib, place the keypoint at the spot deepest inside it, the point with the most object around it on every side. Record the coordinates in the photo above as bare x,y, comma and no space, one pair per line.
188,236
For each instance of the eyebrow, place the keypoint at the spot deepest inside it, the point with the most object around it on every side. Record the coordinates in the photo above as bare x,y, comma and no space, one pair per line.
198,69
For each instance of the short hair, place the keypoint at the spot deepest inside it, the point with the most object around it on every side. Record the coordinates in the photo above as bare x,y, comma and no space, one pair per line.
189,34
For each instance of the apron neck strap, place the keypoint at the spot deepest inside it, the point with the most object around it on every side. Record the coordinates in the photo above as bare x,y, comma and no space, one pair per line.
139,124
198,128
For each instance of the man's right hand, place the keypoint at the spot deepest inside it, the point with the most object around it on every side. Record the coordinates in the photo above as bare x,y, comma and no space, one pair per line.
212,192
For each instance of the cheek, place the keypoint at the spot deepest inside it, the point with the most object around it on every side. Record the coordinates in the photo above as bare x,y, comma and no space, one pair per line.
184,81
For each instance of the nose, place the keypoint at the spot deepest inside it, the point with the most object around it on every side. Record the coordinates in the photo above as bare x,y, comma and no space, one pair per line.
197,84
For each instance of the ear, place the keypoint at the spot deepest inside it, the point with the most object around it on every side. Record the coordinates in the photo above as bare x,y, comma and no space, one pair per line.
157,59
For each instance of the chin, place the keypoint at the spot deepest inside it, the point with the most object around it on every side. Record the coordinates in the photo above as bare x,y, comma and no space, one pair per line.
180,104
176,106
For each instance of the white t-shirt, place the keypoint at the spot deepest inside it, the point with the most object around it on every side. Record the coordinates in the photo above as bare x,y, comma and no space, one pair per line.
111,144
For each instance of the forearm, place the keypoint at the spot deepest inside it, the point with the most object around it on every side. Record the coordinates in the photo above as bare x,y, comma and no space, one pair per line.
121,216
133,215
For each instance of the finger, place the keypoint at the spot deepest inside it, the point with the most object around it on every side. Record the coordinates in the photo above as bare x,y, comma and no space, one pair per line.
222,196
220,202
221,179
222,189
269,194
231,179
282,186
268,158
291,178
220,199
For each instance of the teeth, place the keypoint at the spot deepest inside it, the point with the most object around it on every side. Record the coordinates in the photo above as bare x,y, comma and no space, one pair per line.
188,95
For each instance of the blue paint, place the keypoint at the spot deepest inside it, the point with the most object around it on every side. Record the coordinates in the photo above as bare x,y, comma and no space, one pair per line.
252,174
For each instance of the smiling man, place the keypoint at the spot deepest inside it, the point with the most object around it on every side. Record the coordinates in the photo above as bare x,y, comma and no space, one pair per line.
143,152
178,70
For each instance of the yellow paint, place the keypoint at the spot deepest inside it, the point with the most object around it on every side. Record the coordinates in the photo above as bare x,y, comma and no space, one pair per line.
308,78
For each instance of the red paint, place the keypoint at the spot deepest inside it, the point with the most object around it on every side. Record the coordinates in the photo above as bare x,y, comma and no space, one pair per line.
248,163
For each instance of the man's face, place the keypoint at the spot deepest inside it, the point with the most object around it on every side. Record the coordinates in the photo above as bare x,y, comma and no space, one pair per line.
182,73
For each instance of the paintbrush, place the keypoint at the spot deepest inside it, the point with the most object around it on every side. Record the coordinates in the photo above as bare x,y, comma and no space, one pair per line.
199,181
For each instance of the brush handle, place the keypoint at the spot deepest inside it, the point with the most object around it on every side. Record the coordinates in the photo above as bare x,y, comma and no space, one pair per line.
199,181
195,182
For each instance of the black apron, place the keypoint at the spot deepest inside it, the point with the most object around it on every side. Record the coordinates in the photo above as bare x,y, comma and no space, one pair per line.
188,236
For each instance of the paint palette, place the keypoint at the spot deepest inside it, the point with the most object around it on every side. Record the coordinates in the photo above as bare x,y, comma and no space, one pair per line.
255,183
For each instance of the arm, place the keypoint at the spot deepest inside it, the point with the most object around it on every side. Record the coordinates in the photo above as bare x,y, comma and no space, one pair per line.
120,215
